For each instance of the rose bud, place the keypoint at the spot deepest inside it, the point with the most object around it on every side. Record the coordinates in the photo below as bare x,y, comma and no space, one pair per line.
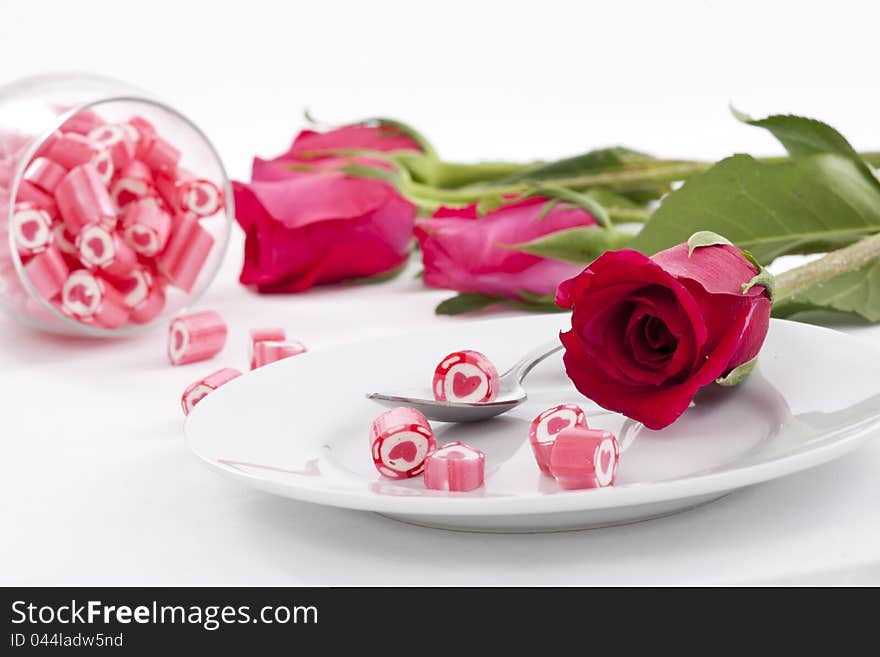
648,333
472,254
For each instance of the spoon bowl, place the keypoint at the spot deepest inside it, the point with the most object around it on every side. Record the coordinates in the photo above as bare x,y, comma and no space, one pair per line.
510,394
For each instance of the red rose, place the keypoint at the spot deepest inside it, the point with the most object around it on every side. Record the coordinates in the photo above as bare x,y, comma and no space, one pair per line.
307,223
647,333
472,254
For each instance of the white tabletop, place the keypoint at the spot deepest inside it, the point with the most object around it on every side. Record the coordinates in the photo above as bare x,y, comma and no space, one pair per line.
98,486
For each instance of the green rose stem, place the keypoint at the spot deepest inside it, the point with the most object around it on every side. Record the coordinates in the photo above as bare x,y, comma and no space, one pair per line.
850,258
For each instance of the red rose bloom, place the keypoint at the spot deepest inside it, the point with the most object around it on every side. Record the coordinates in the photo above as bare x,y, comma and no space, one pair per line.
472,254
647,333
307,223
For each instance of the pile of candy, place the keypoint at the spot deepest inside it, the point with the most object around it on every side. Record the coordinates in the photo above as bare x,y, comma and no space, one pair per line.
105,218
201,336
402,442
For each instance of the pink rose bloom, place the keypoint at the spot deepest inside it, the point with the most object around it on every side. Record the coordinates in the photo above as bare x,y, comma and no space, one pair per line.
472,254
306,223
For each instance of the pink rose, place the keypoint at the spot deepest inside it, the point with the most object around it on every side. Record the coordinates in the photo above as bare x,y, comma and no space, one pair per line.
472,254
647,333
307,223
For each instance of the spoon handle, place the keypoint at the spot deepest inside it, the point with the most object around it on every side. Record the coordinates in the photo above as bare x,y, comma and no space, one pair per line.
525,364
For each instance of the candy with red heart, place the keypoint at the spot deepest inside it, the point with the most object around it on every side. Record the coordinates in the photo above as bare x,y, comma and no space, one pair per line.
400,440
199,196
117,140
455,467
269,351
264,334
146,227
72,149
185,254
64,239
47,272
584,458
31,229
195,337
45,174
103,164
546,427
143,293
90,298
100,248
83,199
197,391
135,182
465,376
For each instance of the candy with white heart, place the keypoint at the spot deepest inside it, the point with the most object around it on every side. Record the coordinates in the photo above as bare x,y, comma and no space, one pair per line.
455,467
273,334
584,458
197,391
400,440
270,351
465,376
546,427
195,337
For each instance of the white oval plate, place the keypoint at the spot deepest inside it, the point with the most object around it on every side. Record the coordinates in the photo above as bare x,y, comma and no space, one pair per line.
298,428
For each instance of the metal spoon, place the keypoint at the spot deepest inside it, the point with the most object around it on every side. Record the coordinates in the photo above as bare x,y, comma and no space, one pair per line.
510,394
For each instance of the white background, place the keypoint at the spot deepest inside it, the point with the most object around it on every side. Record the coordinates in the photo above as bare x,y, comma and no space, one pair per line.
97,486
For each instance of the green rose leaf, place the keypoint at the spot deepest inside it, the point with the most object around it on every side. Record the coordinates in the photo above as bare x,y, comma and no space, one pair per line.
855,292
579,245
465,303
808,205
739,374
705,238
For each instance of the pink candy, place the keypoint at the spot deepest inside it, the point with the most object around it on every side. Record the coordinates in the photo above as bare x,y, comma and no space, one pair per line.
400,440
135,182
71,150
269,351
91,299
264,334
45,174
47,272
31,228
143,294
161,156
196,337
185,254
83,199
117,140
546,427
584,458
100,248
455,467
197,391
146,227
466,376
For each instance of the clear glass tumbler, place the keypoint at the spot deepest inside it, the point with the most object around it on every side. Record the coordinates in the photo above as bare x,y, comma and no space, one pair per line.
34,112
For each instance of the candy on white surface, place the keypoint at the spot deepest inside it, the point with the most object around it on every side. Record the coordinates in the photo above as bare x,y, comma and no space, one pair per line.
546,427
195,337
200,389
465,376
400,440
273,334
584,458
455,467
270,351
